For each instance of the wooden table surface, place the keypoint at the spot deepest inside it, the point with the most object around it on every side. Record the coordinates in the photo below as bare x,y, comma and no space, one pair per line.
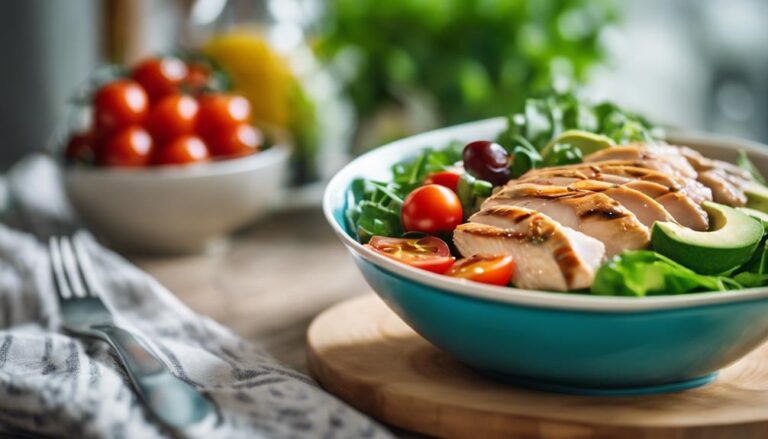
269,282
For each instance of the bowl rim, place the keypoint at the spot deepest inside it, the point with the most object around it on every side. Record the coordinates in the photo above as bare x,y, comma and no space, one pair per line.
518,296
226,166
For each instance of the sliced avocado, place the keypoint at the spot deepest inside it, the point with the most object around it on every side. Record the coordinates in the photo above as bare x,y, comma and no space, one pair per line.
756,214
584,140
732,239
757,196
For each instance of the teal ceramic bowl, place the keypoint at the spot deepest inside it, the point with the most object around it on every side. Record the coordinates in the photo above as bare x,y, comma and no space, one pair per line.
559,341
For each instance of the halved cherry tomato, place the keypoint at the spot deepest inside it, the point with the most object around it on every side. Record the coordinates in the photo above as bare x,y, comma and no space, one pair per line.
449,179
494,270
131,147
182,150
236,142
219,112
428,253
171,117
119,104
431,209
160,76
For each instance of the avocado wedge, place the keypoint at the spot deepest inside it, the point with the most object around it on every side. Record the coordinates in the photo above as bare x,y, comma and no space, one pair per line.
757,196
756,214
732,239
584,140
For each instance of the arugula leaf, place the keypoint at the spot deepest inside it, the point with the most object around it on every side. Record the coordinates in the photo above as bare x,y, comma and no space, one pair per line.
646,273
410,174
524,157
746,164
541,120
754,273
373,208
563,154
472,192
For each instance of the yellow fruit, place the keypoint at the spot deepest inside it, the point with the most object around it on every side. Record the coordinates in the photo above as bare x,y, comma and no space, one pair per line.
258,73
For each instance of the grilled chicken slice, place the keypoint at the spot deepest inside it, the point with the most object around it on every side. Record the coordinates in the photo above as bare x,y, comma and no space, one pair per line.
685,211
548,255
726,189
701,163
592,213
645,208
725,180
610,171
663,158
680,207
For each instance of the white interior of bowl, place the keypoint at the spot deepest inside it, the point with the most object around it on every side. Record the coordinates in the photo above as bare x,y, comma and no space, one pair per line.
376,165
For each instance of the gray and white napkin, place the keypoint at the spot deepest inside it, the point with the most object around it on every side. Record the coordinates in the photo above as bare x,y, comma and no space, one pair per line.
55,385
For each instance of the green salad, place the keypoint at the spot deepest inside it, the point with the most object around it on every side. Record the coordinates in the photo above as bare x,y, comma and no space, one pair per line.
571,196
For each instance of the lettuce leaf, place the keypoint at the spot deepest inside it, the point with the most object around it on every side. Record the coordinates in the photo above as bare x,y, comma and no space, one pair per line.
542,119
746,164
373,207
647,273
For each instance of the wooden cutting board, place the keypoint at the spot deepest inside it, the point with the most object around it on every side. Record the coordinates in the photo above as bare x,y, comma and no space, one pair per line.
362,352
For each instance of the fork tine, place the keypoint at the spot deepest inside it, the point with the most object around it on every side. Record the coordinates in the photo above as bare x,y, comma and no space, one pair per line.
92,285
71,268
60,281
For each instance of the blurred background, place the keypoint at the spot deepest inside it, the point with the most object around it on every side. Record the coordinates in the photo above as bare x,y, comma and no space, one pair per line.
346,75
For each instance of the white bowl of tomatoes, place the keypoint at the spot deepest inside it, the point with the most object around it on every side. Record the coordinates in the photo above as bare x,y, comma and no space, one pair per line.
163,162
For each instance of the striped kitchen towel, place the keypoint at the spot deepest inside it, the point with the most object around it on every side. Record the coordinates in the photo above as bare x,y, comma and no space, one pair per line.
55,385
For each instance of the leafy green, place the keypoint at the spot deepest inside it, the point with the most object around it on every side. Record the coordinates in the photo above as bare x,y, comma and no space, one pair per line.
472,192
563,154
538,121
411,174
646,273
746,164
754,273
373,207
524,157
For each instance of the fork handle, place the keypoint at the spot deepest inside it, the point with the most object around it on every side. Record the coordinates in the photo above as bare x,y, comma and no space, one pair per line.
171,400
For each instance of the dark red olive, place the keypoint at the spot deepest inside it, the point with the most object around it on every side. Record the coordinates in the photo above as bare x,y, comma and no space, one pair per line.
487,161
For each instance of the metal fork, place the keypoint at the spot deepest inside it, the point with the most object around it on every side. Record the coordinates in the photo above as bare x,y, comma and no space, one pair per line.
173,402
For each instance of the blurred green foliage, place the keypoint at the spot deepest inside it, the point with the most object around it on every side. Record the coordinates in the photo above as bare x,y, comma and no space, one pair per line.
474,58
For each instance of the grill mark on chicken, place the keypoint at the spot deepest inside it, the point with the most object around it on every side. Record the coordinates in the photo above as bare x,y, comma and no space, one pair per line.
608,209
566,259
607,213
541,231
622,172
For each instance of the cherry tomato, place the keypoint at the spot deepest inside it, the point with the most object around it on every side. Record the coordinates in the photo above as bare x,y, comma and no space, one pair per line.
198,76
131,146
487,161
240,141
449,179
428,253
431,209
160,76
219,112
81,148
119,104
171,117
494,270
182,150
